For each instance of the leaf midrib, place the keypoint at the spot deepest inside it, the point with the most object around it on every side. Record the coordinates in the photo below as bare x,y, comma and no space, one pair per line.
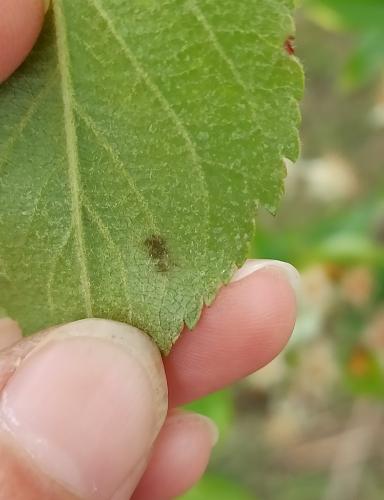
72,151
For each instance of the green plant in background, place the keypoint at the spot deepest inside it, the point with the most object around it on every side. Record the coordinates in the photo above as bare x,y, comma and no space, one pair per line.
363,17
348,236
214,487
305,407
219,407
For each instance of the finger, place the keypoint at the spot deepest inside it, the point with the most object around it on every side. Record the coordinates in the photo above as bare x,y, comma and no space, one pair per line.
10,333
245,328
80,409
20,25
179,458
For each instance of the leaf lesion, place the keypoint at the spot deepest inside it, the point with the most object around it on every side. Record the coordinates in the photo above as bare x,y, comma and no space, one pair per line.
158,251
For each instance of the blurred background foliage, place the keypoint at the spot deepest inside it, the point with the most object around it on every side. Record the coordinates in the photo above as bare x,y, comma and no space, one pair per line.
311,424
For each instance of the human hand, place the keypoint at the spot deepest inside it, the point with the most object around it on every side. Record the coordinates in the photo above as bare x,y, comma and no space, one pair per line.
83,407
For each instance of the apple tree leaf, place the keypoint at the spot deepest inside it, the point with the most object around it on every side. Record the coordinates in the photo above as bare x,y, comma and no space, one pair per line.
136,143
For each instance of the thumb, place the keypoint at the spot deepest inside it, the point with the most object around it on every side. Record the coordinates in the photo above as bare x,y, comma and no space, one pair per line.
80,408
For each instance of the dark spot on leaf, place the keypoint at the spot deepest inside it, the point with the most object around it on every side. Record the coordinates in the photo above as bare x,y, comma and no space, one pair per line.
158,251
289,45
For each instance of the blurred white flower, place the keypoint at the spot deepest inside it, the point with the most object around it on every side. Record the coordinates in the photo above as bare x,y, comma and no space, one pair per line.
326,180
376,116
317,372
377,113
316,297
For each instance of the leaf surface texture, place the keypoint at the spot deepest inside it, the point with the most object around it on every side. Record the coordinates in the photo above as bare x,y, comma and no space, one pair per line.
136,143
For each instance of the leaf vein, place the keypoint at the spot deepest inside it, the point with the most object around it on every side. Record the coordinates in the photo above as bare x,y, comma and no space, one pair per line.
152,86
105,144
155,90
25,119
34,210
106,235
200,16
53,266
72,152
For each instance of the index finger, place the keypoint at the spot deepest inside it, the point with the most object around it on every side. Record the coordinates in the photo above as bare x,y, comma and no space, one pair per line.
249,323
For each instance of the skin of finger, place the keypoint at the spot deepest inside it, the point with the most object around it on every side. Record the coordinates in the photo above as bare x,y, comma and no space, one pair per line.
10,333
249,323
179,459
20,480
245,328
13,356
18,355
20,25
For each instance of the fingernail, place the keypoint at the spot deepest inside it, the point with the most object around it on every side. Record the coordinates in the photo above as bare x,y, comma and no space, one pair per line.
46,4
204,423
210,427
87,405
253,265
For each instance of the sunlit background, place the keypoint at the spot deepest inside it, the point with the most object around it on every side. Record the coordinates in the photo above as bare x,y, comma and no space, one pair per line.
311,425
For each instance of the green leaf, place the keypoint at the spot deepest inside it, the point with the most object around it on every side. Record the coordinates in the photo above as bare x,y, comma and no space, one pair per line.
218,406
365,18
363,372
214,487
135,145
362,15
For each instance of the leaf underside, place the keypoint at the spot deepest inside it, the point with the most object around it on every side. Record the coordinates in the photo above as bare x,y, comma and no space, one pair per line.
136,143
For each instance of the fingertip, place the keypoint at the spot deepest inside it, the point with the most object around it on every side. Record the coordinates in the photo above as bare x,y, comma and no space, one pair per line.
20,25
245,328
180,456
84,403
